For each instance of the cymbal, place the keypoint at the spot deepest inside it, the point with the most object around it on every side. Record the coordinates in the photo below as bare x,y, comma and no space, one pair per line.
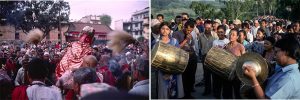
257,62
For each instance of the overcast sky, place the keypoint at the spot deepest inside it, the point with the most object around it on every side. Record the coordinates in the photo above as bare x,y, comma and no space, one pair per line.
117,9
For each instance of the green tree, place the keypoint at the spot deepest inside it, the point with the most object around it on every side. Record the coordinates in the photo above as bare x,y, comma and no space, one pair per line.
105,19
237,9
206,10
45,15
288,9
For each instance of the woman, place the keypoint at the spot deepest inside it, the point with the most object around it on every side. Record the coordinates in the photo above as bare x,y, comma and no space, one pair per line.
234,46
169,85
269,53
242,37
236,49
258,45
284,83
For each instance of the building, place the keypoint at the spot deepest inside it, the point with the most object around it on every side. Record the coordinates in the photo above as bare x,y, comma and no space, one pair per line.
135,25
9,33
75,28
119,25
92,19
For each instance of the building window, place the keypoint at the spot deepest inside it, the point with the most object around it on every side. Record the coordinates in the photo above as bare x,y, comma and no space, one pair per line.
17,36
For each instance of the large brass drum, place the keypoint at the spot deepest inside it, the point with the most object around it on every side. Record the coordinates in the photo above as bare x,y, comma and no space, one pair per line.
168,58
221,62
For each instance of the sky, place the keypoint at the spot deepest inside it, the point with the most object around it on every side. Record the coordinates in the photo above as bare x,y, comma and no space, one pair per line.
117,9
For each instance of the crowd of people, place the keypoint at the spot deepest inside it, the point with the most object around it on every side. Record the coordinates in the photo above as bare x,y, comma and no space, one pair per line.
29,71
274,39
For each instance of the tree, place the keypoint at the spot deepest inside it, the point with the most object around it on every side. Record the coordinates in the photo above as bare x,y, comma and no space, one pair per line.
45,15
6,10
105,19
288,9
237,9
206,10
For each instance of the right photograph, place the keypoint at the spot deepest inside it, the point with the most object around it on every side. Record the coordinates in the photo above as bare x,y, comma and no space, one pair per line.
225,49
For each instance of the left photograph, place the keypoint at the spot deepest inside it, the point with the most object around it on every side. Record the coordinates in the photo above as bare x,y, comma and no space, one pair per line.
74,49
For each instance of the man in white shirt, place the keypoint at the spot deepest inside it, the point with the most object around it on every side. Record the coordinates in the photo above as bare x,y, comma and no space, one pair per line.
246,28
222,41
38,90
20,75
255,28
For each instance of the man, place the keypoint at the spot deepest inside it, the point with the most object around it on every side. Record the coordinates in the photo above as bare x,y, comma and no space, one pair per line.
185,15
246,28
220,43
199,24
279,27
185,39
264,24
296,27
83,75
206,42
20,78
255,28
142,86
37,72
91,61
160,18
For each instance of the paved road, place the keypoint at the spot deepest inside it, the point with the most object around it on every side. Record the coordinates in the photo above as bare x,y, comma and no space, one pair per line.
199,90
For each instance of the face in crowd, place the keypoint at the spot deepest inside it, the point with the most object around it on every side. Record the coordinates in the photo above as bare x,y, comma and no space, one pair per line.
233,36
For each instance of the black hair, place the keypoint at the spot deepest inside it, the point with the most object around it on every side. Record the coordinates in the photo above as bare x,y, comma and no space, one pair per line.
178,16
84,75
244,32
234,29
207,22
271,39
37,69
190,23
221,27
185,14
247,25
262,30
279,24
165,23
291,45
263,20
160,15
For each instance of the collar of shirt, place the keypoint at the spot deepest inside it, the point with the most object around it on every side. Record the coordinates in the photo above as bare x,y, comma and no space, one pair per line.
290,67
143,82
37,82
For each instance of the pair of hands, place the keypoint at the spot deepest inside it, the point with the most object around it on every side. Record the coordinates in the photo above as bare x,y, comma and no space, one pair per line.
188,36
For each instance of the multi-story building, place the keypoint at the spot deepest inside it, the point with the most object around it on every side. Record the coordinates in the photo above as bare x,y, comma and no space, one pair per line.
135,25
92,19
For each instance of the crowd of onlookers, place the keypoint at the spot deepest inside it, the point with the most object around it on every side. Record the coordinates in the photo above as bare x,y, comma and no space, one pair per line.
198,35
103,75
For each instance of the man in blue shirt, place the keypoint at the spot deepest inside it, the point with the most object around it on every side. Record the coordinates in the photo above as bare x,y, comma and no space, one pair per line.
284,83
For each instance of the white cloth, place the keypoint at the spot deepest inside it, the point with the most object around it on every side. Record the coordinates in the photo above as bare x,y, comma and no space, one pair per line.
20,77
195,40
140,88
250,37
254,31
220,43
42,92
